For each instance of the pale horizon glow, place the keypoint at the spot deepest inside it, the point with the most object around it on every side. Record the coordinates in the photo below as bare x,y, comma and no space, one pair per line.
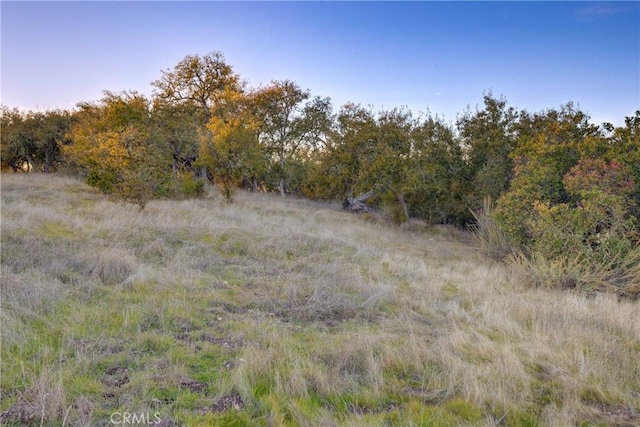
436,57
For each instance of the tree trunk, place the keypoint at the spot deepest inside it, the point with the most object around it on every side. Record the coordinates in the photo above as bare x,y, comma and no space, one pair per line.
47,161
282,172
29,166
403,204
174,166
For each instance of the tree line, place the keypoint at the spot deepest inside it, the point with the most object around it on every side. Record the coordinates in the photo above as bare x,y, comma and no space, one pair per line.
559,184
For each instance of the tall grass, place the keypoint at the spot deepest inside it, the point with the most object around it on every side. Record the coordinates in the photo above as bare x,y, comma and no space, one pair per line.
491,238
274,311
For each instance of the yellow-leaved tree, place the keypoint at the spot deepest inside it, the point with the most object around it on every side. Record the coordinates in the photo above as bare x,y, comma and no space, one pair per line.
110,143
230,151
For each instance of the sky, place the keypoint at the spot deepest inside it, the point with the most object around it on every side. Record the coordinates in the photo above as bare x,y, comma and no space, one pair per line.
438,58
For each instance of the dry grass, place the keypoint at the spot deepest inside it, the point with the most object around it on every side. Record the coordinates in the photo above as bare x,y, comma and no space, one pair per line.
273,311
490,237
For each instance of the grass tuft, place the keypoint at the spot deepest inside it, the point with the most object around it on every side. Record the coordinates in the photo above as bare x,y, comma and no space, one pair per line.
492,239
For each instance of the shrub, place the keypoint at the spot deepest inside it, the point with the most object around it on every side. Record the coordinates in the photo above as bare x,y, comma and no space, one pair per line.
597,225
191,187
590,241
180,187
103,180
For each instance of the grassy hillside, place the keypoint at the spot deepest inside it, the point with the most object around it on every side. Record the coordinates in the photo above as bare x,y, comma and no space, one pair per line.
274,311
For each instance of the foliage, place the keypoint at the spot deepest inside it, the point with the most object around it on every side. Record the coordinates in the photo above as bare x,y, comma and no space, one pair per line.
440,170
571,203
31,140
547,147
623,146
287,126
231,151
488,138
112,144
335,172
390,170
183,186
176,131
491,237
197,81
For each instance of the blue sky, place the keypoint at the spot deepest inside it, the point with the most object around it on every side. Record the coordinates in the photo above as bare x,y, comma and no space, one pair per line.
429,56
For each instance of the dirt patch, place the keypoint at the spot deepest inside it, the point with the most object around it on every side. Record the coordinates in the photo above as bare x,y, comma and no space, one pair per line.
193,385
21,413
115,376
617,416
230,401
228,343
224,342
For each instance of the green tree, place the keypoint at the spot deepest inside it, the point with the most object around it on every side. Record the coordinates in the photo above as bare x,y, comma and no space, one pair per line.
53,129
335,172
440,193
15,145
391,170
176,131
488,137
289,127
33,138
623,144
197,84
413,166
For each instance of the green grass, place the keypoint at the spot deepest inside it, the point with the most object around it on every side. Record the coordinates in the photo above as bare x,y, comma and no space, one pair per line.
284,312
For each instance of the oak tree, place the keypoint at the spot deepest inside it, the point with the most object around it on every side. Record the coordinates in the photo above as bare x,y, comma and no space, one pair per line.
289,126
199,81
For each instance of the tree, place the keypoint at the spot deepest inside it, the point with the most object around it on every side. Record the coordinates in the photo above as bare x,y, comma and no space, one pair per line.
488,138
624,147
391,171
197,84
413,166
176,131
336,170
15,149
548,145
287,125
199,81
33,138
440,167
53,129
233,153
111,143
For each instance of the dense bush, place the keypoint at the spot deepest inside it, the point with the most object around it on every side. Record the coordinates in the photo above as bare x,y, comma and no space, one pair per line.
571,207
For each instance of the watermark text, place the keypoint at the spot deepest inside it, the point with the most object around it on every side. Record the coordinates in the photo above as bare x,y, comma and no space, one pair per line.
135,418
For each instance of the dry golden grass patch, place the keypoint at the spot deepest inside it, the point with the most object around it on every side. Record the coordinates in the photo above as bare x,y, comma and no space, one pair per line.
273,311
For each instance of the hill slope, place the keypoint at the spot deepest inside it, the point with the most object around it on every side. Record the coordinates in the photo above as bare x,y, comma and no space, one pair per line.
274,311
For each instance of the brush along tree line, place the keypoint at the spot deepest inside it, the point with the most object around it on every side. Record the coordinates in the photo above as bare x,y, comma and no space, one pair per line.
562,186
